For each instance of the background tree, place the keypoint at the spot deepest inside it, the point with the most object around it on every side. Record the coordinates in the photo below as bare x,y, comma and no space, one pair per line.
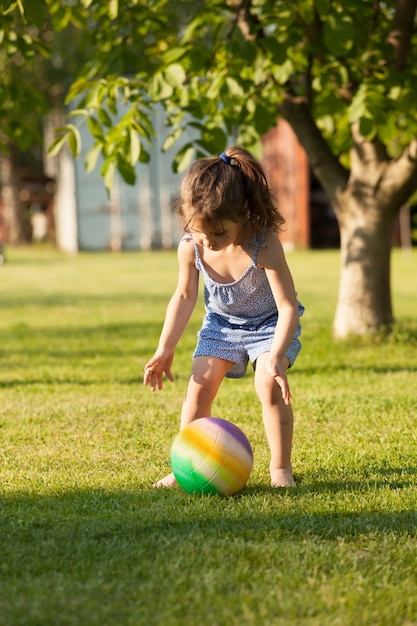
19,103
344,75
41,50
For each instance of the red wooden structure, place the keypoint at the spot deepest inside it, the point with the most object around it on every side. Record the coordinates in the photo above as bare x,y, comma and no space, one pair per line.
286,167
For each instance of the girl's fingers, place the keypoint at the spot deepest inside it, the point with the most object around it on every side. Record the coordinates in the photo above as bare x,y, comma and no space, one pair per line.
155,379
285,390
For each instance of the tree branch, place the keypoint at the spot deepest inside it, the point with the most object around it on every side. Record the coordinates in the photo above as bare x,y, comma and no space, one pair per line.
248,22
371,153
325,165
401,174
402,30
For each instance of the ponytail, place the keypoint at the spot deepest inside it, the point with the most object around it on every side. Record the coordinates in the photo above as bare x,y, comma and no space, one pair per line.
231,186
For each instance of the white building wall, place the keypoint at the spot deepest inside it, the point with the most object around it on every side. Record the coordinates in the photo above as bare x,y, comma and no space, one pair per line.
61,169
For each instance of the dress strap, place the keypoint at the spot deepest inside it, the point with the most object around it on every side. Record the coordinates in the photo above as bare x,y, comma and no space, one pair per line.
259,242
189,237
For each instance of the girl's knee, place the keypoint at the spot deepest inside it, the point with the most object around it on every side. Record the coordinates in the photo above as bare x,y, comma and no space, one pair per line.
206,376
202,389
265,387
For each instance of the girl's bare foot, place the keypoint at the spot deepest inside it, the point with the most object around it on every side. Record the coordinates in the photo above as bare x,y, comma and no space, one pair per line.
167,481
282,478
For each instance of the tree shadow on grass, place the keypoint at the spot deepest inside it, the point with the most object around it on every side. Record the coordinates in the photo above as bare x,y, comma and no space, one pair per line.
130,556
376,478
76,300
330,369
94,514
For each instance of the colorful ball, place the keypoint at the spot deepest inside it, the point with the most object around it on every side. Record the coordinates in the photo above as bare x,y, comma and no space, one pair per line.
211,455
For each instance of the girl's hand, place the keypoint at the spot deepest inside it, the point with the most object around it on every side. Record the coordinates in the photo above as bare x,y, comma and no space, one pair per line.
159,365
278,370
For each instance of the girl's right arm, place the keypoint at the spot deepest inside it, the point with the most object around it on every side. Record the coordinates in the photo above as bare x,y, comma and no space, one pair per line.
178,313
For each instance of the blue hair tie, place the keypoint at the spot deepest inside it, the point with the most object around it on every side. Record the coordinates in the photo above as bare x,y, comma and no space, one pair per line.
225,158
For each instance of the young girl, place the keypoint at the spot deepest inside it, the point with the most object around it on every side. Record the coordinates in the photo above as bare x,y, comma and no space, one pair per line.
231,238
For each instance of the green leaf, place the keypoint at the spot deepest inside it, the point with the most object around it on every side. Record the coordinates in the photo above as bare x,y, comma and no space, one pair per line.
376,111
113,9
248,137
107,171
95,128
161,88
264,119
283,72
233,87
171,139
74,140
134,147
79,18
367,128
323,7
143,119
173,54
357,108
284,16
194,24
92,156
78,113
389,131
339,34
12,6
144,157
76,89
126,170
214,87
183,158
36,12
104,117
56,145
174,75
144,130
95,95
306,10
277,50
112,104
394,93
214,139
61,18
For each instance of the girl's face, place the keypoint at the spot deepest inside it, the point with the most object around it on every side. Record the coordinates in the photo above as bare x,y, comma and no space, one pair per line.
214,237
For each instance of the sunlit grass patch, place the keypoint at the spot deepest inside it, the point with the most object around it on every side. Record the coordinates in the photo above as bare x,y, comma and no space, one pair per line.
85,539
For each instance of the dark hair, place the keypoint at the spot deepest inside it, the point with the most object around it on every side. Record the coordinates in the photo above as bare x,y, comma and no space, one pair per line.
215,190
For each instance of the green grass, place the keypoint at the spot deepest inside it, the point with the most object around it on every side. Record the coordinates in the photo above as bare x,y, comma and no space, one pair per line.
85,540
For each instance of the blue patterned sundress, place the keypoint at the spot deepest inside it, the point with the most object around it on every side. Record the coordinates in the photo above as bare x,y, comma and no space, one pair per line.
241,316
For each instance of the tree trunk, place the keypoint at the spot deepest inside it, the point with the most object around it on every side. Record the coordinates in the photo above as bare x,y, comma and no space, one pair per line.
367,199
364,302
17,224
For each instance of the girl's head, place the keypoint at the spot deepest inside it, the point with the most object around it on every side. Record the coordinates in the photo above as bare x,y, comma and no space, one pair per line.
230,187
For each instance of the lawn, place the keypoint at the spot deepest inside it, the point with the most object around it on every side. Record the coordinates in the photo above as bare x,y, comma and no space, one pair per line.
86,540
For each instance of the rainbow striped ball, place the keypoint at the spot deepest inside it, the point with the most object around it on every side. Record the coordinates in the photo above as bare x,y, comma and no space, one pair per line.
211,455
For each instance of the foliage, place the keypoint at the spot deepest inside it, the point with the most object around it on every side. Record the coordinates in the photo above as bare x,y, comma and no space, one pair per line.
227,68
35,65
84,537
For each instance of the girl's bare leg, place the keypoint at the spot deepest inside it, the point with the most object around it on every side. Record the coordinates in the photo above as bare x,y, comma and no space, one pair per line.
278,423
206,375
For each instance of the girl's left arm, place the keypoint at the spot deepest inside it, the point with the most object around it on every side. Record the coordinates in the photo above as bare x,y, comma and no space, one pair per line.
272,258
